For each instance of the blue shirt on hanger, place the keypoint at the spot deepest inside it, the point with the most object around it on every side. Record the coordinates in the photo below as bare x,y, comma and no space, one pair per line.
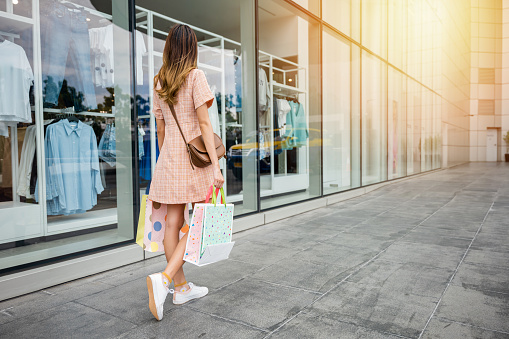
73,179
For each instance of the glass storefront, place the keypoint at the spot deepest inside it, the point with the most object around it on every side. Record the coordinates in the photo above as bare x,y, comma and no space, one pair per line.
67,160
226,54
289,117
308,105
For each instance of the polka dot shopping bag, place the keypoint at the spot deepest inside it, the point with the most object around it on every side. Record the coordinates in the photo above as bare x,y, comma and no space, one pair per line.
151,225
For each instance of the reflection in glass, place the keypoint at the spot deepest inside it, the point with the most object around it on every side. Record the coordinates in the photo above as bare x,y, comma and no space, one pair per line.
396,138
289,106
414,109
337,124
374,120
225,53
76,148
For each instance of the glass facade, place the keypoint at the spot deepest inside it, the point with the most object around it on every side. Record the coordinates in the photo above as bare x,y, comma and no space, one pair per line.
67,155
311,98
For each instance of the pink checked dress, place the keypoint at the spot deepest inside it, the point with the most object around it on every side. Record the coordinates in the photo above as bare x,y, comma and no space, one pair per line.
174,180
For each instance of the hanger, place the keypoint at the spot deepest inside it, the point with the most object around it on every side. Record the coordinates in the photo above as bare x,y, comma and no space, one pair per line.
72,118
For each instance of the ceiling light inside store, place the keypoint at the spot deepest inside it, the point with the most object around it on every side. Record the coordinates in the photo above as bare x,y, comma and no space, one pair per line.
290,80
14,2
88,19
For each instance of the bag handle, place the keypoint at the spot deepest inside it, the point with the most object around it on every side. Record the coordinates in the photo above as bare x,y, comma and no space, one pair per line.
172,109
214,197
209,193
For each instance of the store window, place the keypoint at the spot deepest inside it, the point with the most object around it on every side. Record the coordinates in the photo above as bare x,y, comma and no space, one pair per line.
397,37
414,123
340,87
288,105
226,54
427,131
396,137
343,15
374,26
66,128
415,44
437,131
374,119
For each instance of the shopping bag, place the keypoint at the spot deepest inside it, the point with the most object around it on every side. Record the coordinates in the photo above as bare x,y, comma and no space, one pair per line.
209,240
154,225
141,222
155,221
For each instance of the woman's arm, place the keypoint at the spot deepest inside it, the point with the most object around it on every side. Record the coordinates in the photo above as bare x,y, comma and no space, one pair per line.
208,139
160,132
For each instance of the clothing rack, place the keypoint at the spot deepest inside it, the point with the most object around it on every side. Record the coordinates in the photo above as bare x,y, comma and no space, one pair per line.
70,110
89,10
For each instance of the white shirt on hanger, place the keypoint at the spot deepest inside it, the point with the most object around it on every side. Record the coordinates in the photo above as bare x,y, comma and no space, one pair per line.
16,77
283,108
26,161
264,90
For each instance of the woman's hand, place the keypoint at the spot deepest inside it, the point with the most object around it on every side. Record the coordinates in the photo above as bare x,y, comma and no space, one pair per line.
218,177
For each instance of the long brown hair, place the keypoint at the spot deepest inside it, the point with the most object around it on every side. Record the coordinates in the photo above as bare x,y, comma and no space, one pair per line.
179,58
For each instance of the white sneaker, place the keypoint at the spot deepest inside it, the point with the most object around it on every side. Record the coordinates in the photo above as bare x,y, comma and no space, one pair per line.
157,294
194,292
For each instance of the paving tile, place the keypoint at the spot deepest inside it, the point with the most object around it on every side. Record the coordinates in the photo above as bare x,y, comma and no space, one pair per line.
404,278
390,231
261,254
379,308
69,320
220,274
492,242
482,277
292,238
316,276
248,301
454,233
49,298
479,308
359,241
427,254
335,254
183,322
486,257
128,301
417,236
441,328
321,324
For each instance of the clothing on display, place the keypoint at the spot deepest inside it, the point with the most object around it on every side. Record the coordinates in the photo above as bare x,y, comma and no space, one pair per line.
214,117
64,30
73,180
145,163
141,134
283,108
296,131
16,77
102,47
107,146
4,130
263,91
26,162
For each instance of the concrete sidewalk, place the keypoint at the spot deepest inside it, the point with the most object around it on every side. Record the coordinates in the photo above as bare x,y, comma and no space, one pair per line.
427,257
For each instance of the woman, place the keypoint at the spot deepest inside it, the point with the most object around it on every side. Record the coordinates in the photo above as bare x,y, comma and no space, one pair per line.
175,182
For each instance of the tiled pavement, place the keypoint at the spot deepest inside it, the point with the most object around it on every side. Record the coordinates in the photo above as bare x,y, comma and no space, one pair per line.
426,257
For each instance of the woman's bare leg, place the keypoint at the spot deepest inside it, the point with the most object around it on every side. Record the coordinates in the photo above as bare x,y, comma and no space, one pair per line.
174,221
176,260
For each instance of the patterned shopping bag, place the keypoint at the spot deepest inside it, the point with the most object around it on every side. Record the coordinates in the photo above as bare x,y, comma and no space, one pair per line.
155,221
217,224
217,246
